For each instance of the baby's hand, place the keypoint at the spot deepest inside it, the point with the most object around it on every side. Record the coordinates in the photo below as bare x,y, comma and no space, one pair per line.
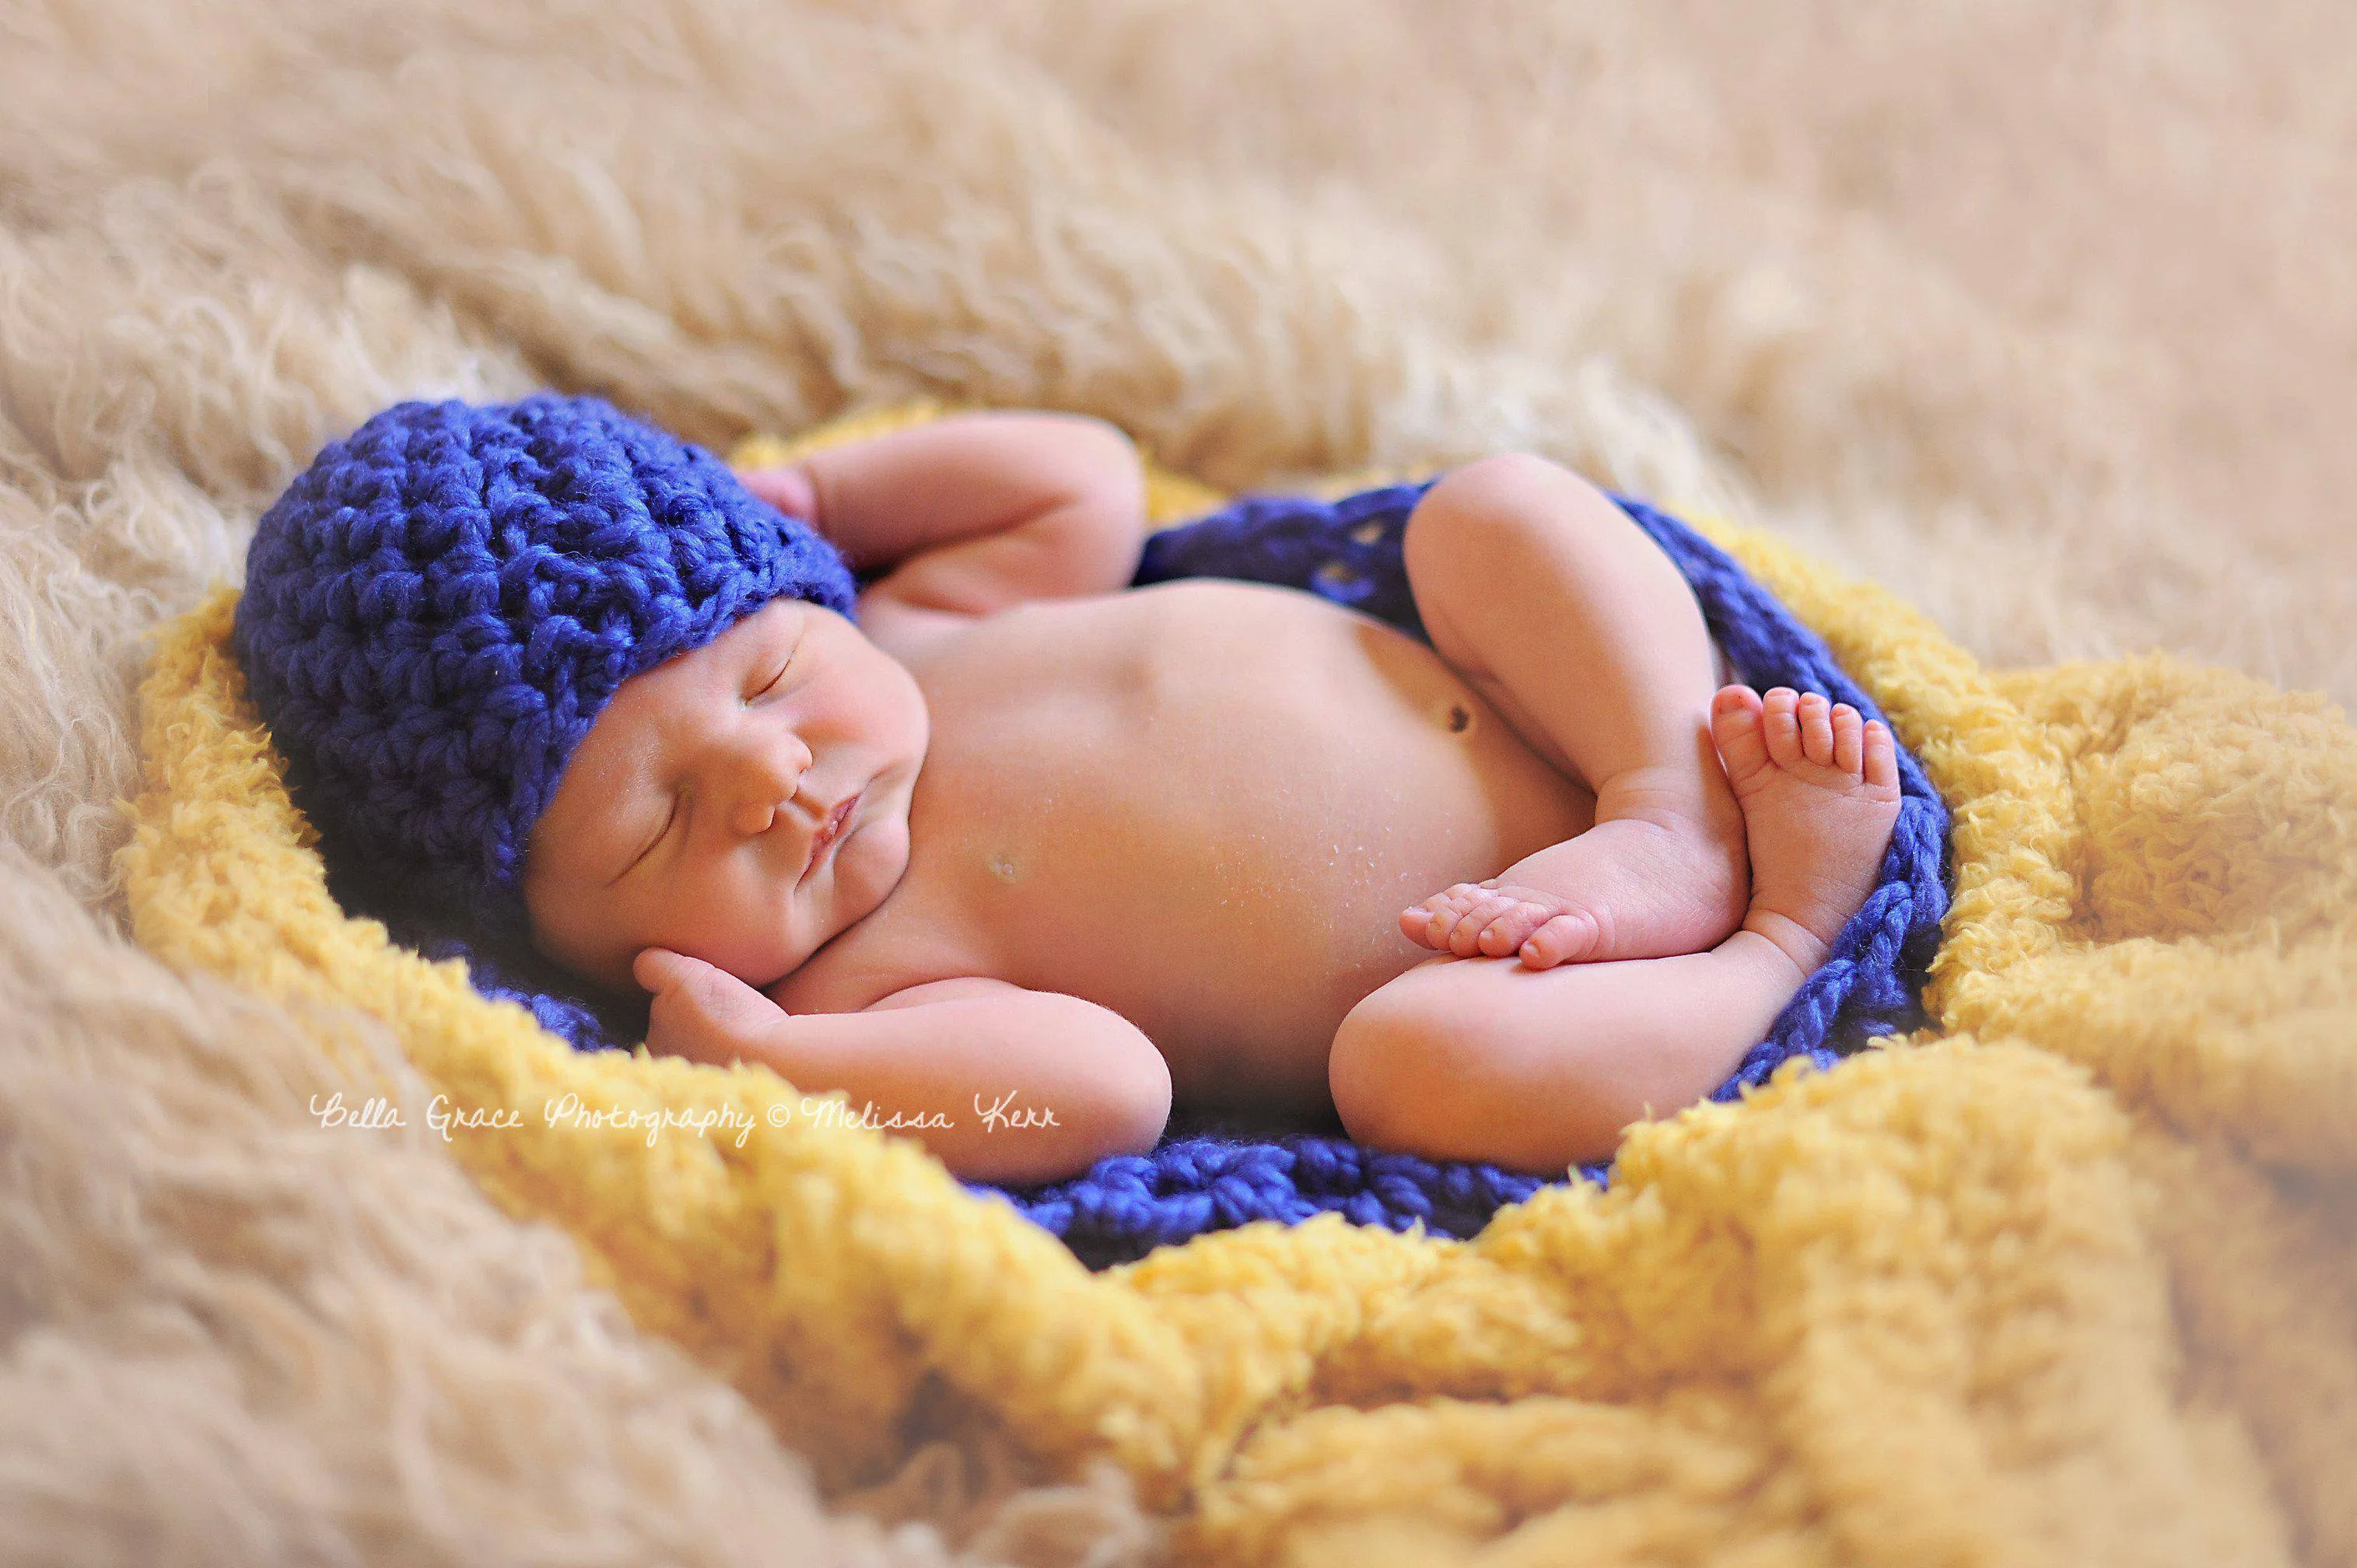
700,1011
1488,920
789,489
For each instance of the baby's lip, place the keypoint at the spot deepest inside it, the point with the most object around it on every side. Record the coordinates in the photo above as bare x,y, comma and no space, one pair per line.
830,828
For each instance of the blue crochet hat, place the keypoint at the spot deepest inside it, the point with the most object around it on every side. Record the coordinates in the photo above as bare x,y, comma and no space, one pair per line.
439,607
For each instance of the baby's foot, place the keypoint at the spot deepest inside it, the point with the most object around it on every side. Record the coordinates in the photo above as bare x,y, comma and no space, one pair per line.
1819,789
1499,919
1669,881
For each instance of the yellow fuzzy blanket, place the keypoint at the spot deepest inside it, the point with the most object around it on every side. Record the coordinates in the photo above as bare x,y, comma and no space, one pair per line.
2070,1275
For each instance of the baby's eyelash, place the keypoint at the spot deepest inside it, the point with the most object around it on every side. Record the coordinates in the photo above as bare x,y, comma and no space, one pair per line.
772,683
661,833
784,665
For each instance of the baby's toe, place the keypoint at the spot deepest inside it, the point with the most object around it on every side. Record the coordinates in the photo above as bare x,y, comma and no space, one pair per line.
1881,756
1780,725
1457,897
1432,922
1465,936
1511,926
1850,738
1558,940
1816,729
1735,726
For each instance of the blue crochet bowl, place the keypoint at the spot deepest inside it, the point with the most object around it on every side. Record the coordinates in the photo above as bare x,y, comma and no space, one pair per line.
1211,1175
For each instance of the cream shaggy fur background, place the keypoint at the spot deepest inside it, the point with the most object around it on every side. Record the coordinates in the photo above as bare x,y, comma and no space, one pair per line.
2046,318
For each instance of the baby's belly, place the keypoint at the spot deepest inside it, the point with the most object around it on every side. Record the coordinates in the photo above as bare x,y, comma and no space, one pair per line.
1204,806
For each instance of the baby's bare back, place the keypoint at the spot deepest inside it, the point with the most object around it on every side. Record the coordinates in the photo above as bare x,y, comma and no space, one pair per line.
1202,805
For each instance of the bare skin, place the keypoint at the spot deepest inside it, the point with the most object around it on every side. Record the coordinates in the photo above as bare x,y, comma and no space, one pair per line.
1464,1058
1493,899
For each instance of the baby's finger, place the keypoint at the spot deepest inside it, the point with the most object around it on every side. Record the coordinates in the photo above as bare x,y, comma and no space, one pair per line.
677,1026
701,1010
657,970
788,489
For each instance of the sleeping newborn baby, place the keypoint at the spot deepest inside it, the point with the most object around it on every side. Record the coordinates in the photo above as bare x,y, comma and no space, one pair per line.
1015,853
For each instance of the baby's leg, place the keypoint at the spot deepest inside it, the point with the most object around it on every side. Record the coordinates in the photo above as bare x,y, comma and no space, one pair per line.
1542,1070
1554,604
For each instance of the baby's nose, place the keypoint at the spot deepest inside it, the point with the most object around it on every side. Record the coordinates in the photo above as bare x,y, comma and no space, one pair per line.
753,818
765,776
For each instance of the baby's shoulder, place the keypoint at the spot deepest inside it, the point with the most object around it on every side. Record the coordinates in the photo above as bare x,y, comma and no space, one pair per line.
910,633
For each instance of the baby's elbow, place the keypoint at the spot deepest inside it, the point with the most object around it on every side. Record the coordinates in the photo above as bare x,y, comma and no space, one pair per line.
1104,508
1100,457
1131,1104
1145,1111
1101,1090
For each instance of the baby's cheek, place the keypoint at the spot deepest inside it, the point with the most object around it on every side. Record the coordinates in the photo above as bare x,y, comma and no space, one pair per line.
738,930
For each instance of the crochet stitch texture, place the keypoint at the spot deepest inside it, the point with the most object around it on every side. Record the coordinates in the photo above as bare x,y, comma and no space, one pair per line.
439,607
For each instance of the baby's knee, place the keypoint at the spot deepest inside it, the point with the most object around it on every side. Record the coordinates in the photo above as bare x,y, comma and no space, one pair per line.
1519,516
1488,500
1503,481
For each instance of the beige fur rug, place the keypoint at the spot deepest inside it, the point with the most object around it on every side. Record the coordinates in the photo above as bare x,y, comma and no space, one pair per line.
2048,321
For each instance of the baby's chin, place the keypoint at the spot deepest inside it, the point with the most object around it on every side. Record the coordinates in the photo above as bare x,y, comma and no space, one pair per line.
868,865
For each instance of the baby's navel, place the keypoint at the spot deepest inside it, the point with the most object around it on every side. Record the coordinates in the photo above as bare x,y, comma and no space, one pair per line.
1002,865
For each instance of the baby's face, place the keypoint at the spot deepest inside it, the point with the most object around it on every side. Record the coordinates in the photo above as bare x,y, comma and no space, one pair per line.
740,803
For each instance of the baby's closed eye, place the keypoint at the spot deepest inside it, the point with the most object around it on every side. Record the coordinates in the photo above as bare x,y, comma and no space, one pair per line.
672,807
768,673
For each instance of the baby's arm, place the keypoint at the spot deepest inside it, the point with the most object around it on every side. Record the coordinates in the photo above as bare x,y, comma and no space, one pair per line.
1036,1086
977,511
